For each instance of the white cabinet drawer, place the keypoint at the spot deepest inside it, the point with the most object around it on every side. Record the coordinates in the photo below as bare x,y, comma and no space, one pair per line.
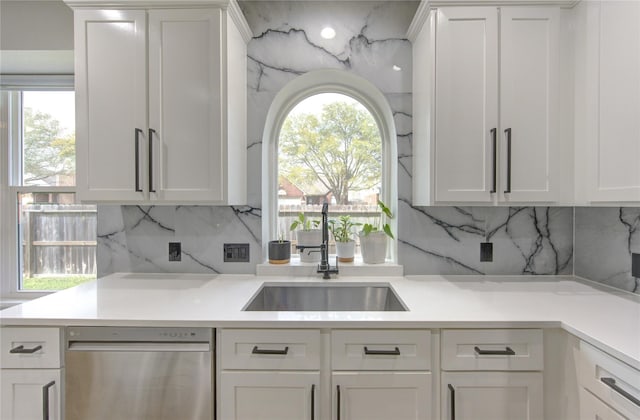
591,408
30,348
381,350
613,381
492,350
270,349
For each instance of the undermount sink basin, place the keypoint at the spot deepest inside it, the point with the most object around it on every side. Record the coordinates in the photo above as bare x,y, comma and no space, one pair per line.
322,297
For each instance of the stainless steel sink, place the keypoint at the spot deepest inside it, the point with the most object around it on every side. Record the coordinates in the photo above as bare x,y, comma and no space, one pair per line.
322,297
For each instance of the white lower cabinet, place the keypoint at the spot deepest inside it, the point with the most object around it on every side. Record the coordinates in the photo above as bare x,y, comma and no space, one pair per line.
31,376
607,386
31,394
269,395
491,395
275,374
492,374
387,395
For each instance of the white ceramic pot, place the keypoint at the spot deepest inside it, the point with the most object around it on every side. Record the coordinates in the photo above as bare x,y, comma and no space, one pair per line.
345,251
373,247
311,237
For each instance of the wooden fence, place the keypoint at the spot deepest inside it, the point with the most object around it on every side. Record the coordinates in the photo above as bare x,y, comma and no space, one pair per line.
58,240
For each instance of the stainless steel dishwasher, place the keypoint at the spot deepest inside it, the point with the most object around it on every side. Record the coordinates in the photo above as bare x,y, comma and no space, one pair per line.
130,373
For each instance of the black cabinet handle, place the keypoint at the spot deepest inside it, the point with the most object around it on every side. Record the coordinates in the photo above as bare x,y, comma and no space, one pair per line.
313,402
508,351
611,383
395,352
508,133
256,350
21,350
137,156
338,402
494,147
452,393
45,400
151,133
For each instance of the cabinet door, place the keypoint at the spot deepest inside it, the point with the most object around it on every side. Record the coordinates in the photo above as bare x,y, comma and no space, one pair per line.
382,396
466,91
613,100
24,391
529,107
492,396
269,395
591,408
111,107
185,105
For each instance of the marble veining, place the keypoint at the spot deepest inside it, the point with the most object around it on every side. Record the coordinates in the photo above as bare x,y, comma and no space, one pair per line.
446,240
605,239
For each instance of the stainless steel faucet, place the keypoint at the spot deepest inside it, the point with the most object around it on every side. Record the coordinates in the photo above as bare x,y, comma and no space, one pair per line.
324,266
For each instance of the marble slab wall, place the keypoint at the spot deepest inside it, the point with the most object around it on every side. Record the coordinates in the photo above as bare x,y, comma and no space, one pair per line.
370,41
604,240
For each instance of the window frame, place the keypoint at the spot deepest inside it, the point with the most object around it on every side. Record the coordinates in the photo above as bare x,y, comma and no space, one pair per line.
10,175
310,84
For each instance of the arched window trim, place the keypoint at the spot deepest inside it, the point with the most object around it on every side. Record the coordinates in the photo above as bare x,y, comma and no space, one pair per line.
313,83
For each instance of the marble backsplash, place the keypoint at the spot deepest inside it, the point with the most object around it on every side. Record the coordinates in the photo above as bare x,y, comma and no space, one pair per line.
604,240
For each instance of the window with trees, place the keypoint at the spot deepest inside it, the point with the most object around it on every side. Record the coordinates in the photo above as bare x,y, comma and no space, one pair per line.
329,149
50,239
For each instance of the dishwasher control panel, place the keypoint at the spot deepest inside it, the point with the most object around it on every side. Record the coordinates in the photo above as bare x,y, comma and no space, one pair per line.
139,334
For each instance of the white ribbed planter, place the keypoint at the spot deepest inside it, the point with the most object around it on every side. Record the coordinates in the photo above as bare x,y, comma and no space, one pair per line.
311,237
373,247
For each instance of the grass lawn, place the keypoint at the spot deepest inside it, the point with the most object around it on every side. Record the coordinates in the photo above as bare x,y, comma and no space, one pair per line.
54,282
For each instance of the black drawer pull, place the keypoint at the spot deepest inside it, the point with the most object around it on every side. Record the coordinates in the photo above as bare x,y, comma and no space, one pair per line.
395,352
506,352
452,392
45,400
21,350
611,383
256,350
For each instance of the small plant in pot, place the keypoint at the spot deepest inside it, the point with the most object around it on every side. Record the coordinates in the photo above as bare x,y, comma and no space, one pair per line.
309,235
342,230
373,239
279,251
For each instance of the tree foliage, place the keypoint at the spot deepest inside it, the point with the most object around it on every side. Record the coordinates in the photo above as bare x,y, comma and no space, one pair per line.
340,149
46,151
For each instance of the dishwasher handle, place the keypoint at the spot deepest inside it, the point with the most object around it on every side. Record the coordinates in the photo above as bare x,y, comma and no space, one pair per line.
148,346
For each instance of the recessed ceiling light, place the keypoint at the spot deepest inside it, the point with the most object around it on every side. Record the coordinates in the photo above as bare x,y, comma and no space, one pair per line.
328,32
396,68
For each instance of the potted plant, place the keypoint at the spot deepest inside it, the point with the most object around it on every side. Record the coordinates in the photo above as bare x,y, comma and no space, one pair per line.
373,239
308,235
342,230
279,251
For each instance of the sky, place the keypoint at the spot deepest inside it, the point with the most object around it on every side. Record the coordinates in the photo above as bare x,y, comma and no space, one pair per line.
60,105
313,104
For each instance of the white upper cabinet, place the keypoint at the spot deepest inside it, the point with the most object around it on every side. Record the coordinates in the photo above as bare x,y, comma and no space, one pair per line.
608,102
486,121
161,105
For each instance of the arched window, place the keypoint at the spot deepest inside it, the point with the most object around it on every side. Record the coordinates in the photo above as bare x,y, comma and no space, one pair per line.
315,124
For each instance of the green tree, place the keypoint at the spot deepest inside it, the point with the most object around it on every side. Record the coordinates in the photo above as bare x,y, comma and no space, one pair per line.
46,152
340,149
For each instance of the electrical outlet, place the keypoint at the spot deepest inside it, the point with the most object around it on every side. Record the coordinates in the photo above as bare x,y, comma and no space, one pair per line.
236,252
175,251
635,265
486,251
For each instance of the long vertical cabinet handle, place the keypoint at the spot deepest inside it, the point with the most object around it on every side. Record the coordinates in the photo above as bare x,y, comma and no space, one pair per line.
494,144
45,400
137,156
338,403
151,133
508,133
452,391
313,402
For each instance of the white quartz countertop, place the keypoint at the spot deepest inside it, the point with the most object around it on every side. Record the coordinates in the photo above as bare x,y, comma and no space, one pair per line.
604,317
